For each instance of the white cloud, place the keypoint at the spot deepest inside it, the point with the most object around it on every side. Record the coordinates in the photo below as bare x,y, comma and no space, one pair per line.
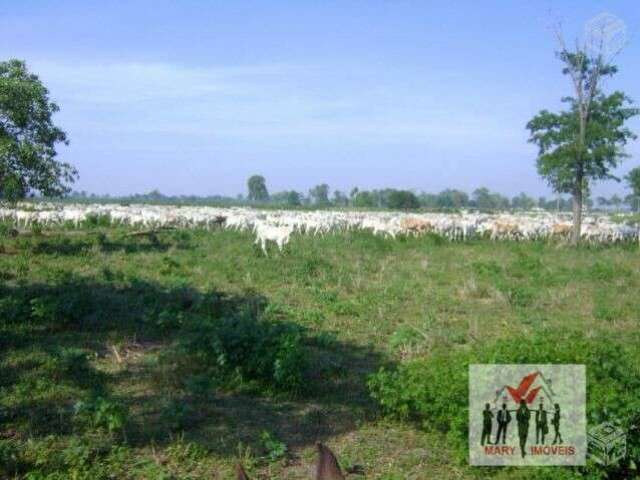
264,103
130,83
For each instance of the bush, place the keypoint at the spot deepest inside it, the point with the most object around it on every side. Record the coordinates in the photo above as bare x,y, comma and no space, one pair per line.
69,308
97,220
433,391
5,229
68,363
241,348
274,448
177,415
9,459
100,412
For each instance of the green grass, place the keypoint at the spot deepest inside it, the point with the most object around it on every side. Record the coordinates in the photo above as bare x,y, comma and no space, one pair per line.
173,356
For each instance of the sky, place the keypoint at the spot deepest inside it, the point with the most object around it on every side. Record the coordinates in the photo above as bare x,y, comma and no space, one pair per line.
193,97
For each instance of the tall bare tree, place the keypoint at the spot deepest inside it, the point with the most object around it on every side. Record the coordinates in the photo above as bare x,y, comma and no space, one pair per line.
586,142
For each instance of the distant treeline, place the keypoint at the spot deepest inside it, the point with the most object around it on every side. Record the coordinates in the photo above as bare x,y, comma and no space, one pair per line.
388,198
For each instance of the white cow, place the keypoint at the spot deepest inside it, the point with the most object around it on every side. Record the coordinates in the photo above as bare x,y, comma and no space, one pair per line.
265,232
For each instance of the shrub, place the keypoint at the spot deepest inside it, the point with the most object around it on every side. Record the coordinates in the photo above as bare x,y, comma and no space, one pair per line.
68,363
5,229
177,415
101,412
274,448
241,348
433,391
68,308
97,220
100,241
488,268
9,458
13,310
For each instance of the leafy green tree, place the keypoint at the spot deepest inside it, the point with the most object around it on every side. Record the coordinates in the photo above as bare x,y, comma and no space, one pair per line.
28,137
583,143
451,198
320,194
633,201
279,198
402,200
500,201
482,198
364,199
428,200
340,199
155,195
380,197
257,189
293,199
633,180
616,201
523,202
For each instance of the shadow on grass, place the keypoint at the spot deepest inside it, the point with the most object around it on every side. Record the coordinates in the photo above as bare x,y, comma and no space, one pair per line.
57,348
69,246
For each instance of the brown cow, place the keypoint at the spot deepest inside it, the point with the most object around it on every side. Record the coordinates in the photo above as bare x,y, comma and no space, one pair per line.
503,230
415,225
561,229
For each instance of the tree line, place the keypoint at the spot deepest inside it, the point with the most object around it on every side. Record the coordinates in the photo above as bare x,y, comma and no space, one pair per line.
449,199
321,196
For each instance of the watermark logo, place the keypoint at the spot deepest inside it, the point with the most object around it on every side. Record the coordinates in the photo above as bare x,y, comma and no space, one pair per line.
527,415
607,443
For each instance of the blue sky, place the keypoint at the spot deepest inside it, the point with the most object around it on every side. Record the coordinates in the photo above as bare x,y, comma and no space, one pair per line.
195,96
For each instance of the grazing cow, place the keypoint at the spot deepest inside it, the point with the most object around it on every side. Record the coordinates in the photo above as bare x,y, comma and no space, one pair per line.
277,225
504,230
562,230
278,234
415,226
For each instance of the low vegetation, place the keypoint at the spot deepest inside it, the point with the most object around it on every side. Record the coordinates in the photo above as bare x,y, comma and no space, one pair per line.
177,354
431,391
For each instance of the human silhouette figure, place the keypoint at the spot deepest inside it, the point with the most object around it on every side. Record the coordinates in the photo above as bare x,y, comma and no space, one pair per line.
487,421
523,415
503,417
542,425
555,421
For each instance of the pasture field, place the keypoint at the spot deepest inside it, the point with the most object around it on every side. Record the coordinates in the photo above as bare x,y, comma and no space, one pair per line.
174,355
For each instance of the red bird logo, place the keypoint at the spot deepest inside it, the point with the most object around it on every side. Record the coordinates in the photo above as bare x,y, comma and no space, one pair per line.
518,394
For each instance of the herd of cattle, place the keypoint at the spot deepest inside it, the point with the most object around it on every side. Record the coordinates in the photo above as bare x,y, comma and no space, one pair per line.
279,225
